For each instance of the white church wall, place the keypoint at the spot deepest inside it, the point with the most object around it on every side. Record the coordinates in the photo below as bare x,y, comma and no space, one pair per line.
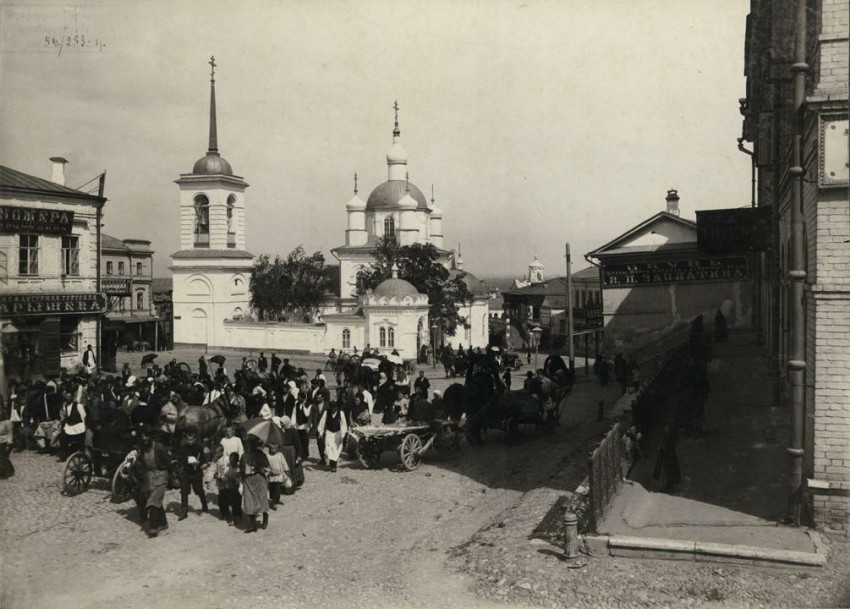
274,336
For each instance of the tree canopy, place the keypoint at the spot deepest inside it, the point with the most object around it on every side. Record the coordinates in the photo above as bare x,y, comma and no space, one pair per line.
419,264
288,288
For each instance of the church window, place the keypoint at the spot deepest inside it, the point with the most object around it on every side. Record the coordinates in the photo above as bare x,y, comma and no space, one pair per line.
231,232
390,337
202,221
382,333
389,228
346,338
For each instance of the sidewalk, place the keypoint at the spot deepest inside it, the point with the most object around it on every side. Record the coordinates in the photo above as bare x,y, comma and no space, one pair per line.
734,475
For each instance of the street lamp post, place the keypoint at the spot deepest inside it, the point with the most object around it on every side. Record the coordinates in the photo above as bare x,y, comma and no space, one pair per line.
434,329
536,332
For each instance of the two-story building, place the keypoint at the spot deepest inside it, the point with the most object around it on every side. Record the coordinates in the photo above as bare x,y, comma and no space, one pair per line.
126,279
50,305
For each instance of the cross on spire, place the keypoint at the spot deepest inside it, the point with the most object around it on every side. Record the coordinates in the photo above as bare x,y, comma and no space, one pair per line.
355,182
407,181
432,195
395,107
212,68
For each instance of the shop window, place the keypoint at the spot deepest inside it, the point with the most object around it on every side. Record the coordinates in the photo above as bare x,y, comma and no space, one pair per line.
202,221
69,336
70,255
109,267
346,338
28,255
138,268
121,267
382,334
390,337
140,300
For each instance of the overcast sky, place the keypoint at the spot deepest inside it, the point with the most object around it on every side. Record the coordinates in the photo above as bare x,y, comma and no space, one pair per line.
537,122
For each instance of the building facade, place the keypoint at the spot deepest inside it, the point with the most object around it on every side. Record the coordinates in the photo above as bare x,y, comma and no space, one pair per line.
131,322
795,116
655,281
50,305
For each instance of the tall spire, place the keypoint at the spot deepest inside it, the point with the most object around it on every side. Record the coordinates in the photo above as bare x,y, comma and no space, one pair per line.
213,133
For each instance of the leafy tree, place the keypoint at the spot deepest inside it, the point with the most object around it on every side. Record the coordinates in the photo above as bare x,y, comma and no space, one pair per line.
419,264
290,288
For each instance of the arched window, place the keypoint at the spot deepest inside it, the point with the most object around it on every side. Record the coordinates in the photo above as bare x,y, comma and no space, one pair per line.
202,221
231,231
140,301
346,338
383,336
390,337
389,228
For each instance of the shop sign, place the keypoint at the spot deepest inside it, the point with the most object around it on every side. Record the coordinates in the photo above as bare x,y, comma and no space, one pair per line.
593,316
115,286
727,231
40,221
834,169
51,304
734,268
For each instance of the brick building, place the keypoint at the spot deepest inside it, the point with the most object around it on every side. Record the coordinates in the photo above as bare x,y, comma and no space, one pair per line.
50,306
795,115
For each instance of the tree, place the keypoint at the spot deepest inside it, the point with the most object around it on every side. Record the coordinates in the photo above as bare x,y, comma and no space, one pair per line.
419,264
288,288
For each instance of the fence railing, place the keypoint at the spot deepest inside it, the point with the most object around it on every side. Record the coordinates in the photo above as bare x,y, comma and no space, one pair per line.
605,474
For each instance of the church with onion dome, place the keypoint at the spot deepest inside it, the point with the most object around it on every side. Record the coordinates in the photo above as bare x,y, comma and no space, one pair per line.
397,209
212,269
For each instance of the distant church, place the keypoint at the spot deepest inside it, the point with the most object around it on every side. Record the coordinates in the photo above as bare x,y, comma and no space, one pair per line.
212,269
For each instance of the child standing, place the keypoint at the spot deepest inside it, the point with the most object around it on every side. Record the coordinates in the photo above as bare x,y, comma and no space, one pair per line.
278,475
229,499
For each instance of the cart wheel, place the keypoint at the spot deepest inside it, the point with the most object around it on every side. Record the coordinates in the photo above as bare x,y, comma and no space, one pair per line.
368,453
410,451
122,489
251,364
511,431
77,473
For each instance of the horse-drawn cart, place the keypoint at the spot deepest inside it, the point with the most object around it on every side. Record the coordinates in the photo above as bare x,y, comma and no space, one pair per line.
111,456
411,442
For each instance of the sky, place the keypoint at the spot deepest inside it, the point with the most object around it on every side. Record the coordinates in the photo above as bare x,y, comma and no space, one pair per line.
538,123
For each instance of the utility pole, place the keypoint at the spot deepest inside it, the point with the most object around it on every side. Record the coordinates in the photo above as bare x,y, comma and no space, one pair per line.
569,312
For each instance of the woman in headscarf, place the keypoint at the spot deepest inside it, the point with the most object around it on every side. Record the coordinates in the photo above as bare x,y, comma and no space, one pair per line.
334,428
292,452
254,469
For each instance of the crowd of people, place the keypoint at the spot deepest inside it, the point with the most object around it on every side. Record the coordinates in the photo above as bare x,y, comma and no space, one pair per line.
191,431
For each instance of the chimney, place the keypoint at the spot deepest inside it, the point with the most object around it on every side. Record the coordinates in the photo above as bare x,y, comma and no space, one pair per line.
672,202
58,169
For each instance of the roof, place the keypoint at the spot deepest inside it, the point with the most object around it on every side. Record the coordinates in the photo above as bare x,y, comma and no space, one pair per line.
388,194
395,287
108,242
556,286
208,253
612,245
15,181
160,285
212,164
475,286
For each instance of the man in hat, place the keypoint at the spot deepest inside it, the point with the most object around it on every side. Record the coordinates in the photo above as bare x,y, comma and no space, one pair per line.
421,385
192,457
276,364
73,425
150,470
262,363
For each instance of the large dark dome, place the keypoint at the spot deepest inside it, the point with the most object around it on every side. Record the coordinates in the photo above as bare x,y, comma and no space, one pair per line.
212,164
388,194
473,284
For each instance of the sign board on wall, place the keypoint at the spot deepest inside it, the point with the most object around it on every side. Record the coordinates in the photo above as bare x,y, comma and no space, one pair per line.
51,304
39,221
834,155
729,231
733,268
115,286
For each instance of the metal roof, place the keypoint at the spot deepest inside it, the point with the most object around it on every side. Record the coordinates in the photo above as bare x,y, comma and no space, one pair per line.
16,181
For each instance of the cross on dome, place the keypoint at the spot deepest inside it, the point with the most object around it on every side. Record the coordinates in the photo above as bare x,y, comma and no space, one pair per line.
212,68
355,182
395,107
